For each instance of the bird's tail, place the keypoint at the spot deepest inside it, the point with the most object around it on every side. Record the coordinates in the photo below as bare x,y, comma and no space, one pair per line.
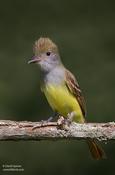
96,151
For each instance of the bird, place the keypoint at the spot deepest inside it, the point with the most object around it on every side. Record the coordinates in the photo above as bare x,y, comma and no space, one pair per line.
61,88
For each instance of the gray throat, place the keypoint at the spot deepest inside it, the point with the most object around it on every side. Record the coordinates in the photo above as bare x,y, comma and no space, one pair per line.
56,76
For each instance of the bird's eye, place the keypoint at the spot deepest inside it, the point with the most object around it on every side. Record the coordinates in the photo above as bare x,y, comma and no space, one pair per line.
48,53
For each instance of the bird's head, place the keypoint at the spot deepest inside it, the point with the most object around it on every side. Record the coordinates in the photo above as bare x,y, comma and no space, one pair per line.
46,54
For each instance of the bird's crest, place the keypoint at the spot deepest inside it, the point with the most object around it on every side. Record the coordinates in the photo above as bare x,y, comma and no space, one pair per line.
44,45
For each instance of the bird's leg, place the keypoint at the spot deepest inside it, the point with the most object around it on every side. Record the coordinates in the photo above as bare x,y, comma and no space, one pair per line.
70,117
64,123
52,117
45,122
61,121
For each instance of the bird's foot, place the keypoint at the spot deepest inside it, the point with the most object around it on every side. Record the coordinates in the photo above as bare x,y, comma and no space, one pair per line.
42,123
64,123
51,118
60,121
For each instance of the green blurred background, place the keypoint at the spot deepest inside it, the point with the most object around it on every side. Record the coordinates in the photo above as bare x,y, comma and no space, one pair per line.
85,33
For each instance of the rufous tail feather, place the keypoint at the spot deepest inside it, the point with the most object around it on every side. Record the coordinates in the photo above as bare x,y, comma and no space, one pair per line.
96,151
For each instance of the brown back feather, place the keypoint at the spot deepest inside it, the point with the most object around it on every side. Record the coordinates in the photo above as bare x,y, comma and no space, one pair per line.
74,88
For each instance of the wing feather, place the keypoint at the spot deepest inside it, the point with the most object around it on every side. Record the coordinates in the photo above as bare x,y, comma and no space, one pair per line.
74,88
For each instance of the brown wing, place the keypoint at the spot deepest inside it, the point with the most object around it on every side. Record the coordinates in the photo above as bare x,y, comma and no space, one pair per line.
74,88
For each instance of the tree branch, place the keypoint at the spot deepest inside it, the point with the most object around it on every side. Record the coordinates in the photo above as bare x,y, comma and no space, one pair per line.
24,130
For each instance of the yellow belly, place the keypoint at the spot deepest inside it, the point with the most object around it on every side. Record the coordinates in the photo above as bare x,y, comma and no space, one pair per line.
62,101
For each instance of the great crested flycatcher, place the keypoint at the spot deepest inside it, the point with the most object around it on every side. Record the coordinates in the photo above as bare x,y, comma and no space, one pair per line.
60,87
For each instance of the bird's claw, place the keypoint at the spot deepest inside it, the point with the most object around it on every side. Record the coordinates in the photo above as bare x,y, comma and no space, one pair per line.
64,123
42,123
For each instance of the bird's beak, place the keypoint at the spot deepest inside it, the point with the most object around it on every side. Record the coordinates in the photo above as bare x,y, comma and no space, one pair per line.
34,59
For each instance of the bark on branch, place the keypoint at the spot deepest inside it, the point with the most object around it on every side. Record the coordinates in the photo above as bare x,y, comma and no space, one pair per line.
13,130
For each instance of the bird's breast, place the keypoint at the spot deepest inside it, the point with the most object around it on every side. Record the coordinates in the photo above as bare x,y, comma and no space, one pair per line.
61,100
